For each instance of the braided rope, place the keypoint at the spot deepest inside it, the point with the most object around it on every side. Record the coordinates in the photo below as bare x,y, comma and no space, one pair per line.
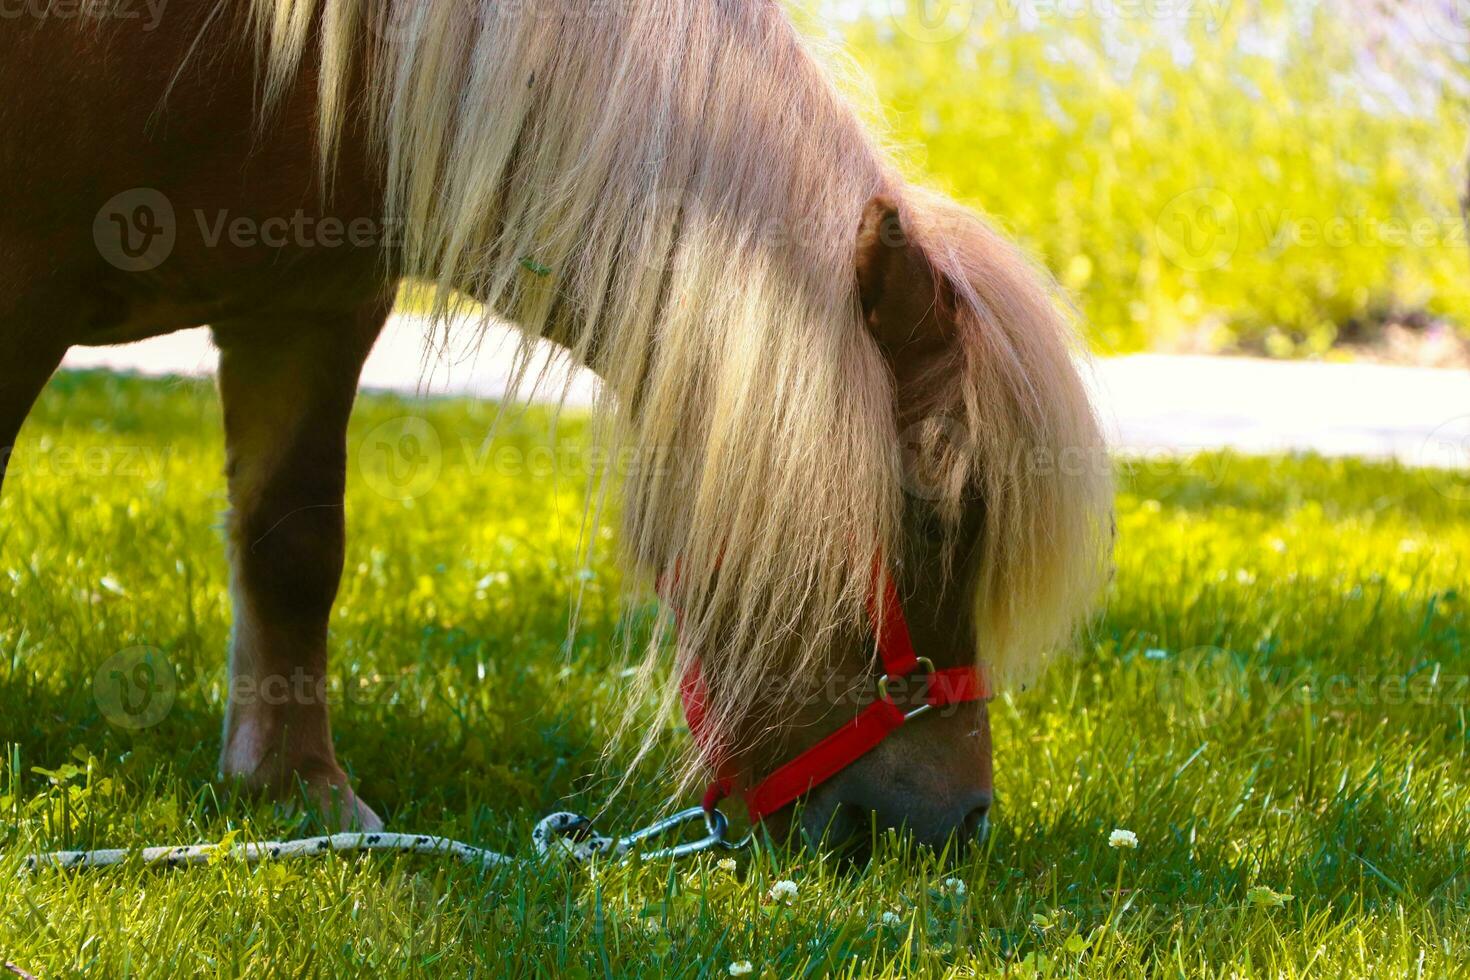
560,834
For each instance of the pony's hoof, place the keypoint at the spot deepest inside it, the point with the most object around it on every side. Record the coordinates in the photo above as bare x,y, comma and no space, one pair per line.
329,798
363,818
337,806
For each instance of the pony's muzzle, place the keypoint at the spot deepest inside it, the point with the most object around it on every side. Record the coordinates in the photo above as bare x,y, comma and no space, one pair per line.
852,827
930,782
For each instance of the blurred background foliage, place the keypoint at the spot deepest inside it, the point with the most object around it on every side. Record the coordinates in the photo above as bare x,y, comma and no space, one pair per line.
1269,176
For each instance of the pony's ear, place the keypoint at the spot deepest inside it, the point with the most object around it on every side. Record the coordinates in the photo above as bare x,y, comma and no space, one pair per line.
896,284
880,236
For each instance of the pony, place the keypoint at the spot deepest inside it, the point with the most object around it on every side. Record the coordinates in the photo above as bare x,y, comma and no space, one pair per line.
835,383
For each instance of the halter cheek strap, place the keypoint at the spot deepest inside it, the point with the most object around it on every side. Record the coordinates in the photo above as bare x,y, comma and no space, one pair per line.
881,718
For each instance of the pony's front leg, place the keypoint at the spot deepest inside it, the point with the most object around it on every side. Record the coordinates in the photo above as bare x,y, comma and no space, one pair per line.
287,388
21,380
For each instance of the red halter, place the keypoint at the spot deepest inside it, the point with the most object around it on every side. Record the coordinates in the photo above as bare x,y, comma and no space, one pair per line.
955,685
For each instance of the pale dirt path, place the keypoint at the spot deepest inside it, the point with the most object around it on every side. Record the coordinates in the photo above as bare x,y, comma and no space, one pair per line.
1151,403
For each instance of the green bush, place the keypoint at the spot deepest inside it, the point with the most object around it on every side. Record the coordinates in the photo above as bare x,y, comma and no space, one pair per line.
1252,175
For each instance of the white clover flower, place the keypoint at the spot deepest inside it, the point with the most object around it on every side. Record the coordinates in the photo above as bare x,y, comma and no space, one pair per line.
955,887
1123,838
726,864
783,891
891,919
740,969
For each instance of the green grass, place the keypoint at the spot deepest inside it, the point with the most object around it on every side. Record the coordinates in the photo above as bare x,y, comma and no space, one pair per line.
1276,697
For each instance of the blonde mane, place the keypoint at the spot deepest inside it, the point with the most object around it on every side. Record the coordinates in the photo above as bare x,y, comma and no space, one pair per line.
671,189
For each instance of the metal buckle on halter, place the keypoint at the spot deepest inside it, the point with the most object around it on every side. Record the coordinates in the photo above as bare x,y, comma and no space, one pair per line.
716,837
926,667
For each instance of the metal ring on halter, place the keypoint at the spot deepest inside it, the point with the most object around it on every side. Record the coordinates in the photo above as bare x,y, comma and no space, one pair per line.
716,825
926,667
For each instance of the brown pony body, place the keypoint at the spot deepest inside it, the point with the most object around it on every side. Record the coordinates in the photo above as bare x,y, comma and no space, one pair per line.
841,367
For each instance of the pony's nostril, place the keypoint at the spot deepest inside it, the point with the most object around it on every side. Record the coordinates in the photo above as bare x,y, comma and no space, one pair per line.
977,821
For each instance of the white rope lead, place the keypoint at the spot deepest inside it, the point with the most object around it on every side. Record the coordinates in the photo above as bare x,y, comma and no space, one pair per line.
183,857
560,833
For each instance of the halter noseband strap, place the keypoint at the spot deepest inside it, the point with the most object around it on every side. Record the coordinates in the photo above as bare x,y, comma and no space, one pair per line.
955,685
